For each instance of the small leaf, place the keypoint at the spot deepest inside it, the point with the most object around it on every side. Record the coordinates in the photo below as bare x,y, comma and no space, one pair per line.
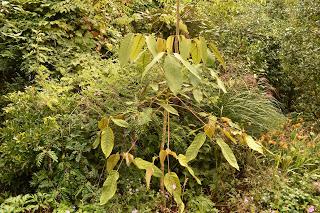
96,141
228,135
128,157
112,161
203,49
154,86
142,164
152,45
161,45
172,184
184,47
253,145
107,141
120,122
162,156
173,74
183,161
169,109
196,51
169,44
198,95
227,153
193,149
219,81
192,69
109,187
183,27
218,55
137,46
149,173
125,49
152,63
103,123
172,153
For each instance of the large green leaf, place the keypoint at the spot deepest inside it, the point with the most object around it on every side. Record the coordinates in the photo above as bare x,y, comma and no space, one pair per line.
152,63
109,187
191,68
253,145
193,149
227,153
143,164
125,49
152,45
137,46
107,141
173,186
173,74
184,47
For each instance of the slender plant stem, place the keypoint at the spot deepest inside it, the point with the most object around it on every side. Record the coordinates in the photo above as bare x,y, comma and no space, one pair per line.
164,129
176,41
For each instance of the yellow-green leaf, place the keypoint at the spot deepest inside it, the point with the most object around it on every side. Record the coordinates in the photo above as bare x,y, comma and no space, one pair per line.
173,74
169,109
162,156
96,141
218,55
125,49
227,153
193,149
152,45
228,135
219,81
161,45
137,46
184,47
203,49
183,161
198,95
172,184
169,44
196,51
109,187
103,123
142,164
107,141
120,122
253,145
183,27
149,173
152,63
112,161
191,68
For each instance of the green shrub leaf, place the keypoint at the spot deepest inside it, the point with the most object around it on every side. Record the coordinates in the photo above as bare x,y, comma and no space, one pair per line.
173,74
193,149
253,145
107,141
120,122
227,153
125,49
109,187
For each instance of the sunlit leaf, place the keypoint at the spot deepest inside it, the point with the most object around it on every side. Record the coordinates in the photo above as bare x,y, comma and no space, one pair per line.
203,49
112,161
193,149
184,47
169,109
172,184
109,187
169,44
142,164
107,141
253,145
152,63
137,46
192,69
96,141
173,74
183,161
218,55
228,135
183,27
161,45
152,45
120,122
125,49
129,158
149,173
196,51
227,153
198,95
103,123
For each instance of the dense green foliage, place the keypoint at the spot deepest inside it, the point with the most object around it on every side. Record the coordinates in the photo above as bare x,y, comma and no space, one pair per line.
65,82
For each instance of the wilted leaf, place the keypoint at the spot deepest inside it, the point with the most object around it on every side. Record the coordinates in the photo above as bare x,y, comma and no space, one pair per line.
173,74
103,123
228,135
227,153
107,141
109,187
149,173
169,44
128,157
